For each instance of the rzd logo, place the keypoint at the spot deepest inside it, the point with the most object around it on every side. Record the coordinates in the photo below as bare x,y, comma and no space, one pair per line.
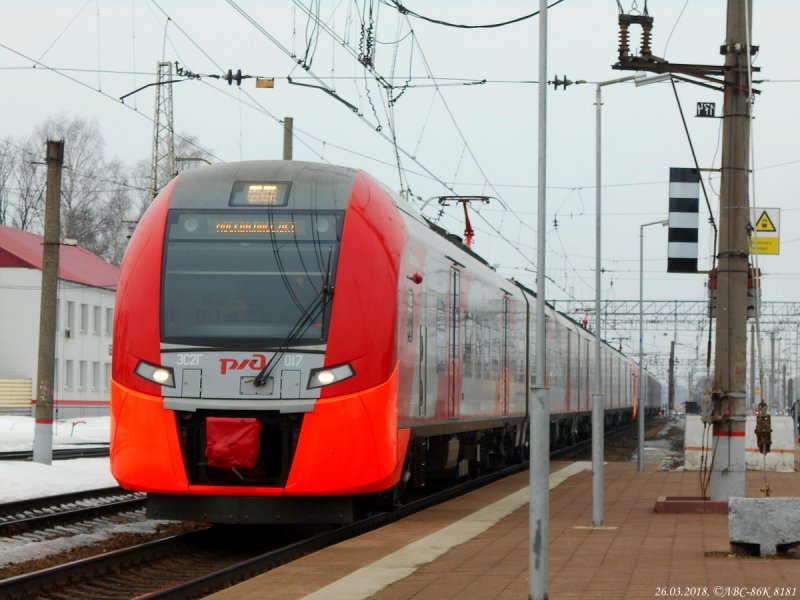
256,363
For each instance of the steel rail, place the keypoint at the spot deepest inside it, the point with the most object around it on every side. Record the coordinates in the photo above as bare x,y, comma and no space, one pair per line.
16,517
85,570
59,453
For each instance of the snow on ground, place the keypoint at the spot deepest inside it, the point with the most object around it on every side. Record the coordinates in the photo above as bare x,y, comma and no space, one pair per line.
20,480
23,548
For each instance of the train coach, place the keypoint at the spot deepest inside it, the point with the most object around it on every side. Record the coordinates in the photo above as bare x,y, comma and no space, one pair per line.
293,338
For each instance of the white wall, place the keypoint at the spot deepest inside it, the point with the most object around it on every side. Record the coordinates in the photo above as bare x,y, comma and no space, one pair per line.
87,342
780,458
20,297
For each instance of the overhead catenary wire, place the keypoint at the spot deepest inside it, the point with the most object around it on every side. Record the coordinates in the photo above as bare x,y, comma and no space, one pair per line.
101,92
333,93
406,11
395,134
450,114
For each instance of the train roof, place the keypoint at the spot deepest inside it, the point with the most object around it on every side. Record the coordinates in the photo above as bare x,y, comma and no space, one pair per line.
322,183
313,184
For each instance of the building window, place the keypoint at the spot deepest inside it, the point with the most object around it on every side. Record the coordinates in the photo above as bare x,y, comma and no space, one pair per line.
70,328
109,320
68,368
107,381
97,317
84,318
55,377
95,376
82,375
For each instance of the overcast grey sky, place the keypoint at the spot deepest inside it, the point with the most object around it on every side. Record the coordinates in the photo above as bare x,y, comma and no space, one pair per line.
476,139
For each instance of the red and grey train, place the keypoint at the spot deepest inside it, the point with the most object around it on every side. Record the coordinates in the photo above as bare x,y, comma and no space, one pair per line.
292,338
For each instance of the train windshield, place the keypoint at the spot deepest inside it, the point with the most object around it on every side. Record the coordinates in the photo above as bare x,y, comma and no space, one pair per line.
249,279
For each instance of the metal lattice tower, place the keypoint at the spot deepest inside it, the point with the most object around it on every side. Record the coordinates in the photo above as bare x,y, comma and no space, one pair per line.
163,159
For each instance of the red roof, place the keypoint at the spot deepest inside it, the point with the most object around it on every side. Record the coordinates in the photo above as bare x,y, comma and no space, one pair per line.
24,249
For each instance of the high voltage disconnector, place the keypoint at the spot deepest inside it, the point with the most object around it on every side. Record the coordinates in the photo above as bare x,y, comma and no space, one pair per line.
646,22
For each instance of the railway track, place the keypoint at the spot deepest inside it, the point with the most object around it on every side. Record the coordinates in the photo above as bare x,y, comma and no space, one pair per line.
42,513
59,453
200,562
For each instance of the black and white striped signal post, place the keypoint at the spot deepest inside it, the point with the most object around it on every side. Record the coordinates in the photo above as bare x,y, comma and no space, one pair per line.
684,203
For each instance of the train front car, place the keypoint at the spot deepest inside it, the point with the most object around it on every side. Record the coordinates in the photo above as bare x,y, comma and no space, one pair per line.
255,368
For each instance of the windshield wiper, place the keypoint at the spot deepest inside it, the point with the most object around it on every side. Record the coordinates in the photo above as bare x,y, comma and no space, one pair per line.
327,288
302,324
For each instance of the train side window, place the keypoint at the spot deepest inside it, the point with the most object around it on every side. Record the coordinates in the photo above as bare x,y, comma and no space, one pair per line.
467,355
441,335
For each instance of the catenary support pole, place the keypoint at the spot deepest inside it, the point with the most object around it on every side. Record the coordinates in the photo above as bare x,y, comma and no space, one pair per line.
288,137
753,402
539,472
598,421
45,374
729,392
771,401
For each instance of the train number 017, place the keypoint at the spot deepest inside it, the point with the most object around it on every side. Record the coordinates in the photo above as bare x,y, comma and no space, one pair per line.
292,360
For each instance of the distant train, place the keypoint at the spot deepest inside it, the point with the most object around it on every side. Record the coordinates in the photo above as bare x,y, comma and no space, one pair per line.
292,337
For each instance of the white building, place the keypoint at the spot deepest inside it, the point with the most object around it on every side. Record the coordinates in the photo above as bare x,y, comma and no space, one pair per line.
86,292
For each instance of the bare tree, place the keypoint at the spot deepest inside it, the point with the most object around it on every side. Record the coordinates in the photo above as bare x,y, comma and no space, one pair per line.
7,160
29,180
100,198
83,179
189,154
118,212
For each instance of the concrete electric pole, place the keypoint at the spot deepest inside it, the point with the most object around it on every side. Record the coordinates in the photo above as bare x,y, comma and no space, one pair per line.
45,375
729,386
729,391
288,137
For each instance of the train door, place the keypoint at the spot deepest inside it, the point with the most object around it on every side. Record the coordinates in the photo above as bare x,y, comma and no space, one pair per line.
454,338
587,379
568,374
578,372
506,370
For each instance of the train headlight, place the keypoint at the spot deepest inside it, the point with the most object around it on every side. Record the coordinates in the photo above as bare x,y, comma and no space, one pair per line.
328,375
155,373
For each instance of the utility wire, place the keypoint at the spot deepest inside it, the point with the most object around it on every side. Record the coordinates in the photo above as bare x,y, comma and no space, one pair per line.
101,92
392,141
406,11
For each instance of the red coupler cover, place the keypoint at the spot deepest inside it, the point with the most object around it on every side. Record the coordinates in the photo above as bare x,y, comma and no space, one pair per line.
232,442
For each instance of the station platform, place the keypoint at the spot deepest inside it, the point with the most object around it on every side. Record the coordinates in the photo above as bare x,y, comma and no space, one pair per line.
476,547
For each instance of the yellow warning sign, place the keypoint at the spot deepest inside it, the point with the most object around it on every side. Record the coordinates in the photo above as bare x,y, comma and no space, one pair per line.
764,223
765,245
765,237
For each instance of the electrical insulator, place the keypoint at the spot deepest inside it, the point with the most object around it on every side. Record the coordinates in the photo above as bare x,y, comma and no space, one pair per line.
230,77
764,432
624,37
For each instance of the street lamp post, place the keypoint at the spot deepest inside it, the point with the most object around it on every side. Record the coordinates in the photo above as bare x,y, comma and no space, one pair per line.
597,396
640,380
